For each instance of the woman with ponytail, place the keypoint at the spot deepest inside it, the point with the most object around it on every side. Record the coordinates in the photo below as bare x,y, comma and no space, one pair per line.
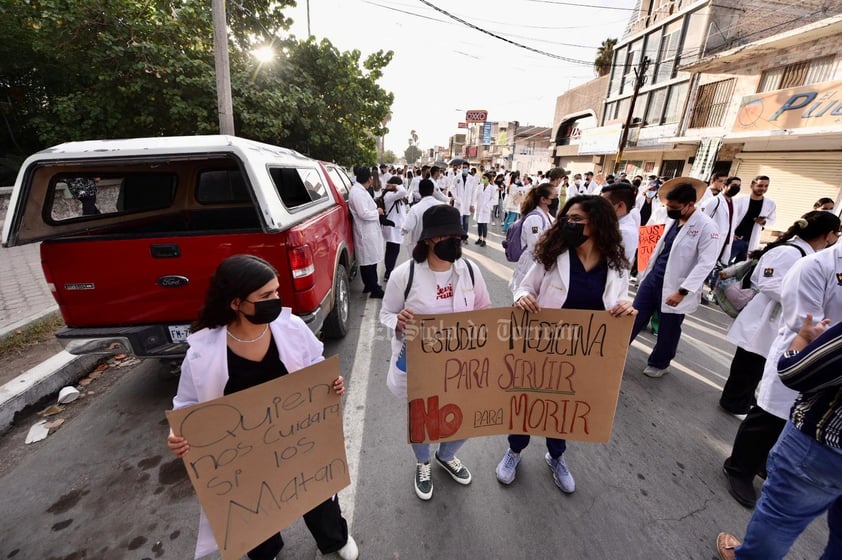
535,214
753,332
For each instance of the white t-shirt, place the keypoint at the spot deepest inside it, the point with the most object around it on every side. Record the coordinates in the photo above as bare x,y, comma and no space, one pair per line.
441,295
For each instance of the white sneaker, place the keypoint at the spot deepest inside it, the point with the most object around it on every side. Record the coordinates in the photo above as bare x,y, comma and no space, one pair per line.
561,474
350,550
507,469
650,371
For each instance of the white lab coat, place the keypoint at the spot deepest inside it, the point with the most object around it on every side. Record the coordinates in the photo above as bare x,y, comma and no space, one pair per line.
757,324
811,286
534,225
468,295
767,210
395,203
706,197
514,198
413,225
204,374
574,190
486,199
551,287
415,194
716,208
630,232
368,239
464,193
440,190
691,259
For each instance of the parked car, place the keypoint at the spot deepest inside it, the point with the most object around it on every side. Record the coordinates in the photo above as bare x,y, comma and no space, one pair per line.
132,230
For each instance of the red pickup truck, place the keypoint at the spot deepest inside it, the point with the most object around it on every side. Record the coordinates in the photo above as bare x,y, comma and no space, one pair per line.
132,230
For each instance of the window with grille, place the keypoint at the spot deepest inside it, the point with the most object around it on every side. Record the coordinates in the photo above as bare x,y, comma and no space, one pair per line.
797,74
712,103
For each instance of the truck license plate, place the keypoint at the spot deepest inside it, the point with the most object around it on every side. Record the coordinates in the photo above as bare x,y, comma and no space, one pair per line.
178,333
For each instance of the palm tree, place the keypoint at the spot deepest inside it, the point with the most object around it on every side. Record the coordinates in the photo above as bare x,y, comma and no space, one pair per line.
604,57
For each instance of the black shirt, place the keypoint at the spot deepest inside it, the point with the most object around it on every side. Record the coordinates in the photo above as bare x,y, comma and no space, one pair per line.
244,373
744,229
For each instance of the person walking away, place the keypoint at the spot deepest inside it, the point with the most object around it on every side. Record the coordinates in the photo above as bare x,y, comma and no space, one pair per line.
463,188
579,264
761,427
435,280
621,197
368,239
394,199
514,199
497,212
751,214
720,209
673,279
805,466
413,223
486,197
536,220
242,338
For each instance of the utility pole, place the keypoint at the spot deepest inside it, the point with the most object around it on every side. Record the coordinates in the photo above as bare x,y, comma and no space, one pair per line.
225,106
639,80
308,18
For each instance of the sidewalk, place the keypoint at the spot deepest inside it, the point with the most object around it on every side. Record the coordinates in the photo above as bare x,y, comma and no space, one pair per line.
24,296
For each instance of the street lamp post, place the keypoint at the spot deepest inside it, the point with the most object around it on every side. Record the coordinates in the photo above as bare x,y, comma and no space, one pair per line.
225,106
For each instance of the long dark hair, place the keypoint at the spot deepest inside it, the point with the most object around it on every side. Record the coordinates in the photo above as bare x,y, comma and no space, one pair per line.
811,225
533,198
235,277
605,233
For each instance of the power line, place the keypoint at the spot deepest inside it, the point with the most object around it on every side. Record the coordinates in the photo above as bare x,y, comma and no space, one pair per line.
582,5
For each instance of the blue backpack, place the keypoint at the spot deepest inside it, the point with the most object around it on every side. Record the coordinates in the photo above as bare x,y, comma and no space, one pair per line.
512,243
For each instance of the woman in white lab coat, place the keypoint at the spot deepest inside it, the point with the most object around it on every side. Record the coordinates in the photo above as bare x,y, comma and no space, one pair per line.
579,264
394,201
535,212
810,287
244,337
486,199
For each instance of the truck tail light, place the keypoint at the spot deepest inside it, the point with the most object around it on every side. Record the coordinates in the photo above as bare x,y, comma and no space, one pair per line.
303,268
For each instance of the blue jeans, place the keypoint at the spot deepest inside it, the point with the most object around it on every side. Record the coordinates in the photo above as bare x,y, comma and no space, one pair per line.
805,480
647,302
446,452
739,250
556,447
511,217
466,223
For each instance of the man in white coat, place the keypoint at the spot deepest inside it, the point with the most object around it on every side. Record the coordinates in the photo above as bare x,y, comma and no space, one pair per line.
368,239
751,214
621,196
486,199
673,279
413,224
463,188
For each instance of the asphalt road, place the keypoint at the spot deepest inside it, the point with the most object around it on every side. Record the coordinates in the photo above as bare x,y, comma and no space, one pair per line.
105,485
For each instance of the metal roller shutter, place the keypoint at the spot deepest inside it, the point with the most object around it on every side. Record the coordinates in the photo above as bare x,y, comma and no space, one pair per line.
796,180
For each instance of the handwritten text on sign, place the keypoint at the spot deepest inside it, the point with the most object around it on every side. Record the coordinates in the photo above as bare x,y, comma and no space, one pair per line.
261,458
649,236
505,371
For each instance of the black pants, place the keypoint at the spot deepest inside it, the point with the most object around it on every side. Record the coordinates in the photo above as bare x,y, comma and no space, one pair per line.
482,230
746,372
325,523
368,274
392,251
756,436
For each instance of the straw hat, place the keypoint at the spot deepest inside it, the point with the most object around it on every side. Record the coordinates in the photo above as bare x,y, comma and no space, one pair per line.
668,186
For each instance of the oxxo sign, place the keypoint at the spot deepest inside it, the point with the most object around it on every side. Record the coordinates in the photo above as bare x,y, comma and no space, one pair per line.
476,116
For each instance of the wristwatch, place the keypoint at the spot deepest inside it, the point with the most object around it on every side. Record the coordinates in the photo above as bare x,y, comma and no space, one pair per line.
683,291
791,353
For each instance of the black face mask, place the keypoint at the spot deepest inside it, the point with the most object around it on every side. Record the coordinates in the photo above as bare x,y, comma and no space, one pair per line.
449,249
265,311
636,182
674,214
573,234
733,191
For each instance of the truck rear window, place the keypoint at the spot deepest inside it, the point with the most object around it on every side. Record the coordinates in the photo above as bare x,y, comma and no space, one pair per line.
88,196
298,186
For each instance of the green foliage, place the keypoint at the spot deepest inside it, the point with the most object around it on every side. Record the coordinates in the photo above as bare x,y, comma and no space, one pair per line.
411,154
87,69
389,157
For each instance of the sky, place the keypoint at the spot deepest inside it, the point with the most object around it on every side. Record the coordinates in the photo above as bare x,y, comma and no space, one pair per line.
442,67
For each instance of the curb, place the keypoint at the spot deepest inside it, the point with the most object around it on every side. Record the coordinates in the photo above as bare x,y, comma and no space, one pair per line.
47,377
25,322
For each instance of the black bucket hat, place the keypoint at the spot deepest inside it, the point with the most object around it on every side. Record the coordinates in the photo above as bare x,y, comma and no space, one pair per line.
442,220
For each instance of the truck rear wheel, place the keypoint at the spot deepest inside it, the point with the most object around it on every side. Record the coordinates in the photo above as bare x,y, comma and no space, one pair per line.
336,323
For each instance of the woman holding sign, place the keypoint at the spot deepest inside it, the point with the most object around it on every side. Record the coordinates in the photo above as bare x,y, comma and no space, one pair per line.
435,280
579,264
244,337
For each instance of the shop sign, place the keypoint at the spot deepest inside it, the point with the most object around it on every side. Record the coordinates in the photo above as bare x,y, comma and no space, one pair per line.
802,107
600,140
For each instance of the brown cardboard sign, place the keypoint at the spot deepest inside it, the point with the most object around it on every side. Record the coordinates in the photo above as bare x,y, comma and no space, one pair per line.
262,457
556,373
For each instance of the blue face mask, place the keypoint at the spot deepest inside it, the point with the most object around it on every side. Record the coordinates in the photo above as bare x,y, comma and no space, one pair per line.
464,171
